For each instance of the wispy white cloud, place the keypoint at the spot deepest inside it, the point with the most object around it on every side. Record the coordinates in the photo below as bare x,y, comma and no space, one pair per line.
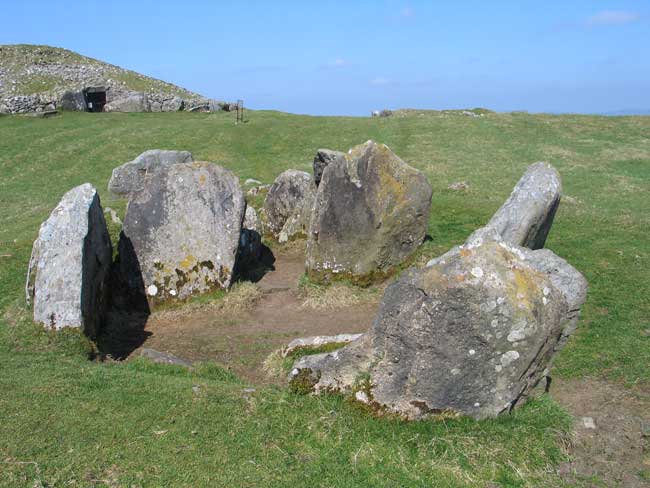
338,63
380,81
613,17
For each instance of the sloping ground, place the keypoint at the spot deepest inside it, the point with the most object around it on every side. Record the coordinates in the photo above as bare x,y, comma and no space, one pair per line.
46,72
67,421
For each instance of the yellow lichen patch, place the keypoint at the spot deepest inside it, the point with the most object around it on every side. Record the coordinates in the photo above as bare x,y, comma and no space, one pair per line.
188,262
202,179
525,289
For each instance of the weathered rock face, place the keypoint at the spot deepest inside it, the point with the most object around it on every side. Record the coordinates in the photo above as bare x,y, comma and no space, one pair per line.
129,178
471,333
252,221
73,101
371,212
322,159
181,231
175,104
134,102
526,217
288,204
70,263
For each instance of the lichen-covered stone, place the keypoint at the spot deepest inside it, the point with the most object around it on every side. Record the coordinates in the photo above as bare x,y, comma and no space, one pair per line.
288,205
129,178
181,232
132,102
474,331
526,217
472,334
69,267
371,212
322,159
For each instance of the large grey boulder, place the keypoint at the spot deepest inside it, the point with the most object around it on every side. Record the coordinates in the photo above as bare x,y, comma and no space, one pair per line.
288,204
175,104
67,279
73,101
322,159
371,212
181,232
129,178
526,217
133,102
471,333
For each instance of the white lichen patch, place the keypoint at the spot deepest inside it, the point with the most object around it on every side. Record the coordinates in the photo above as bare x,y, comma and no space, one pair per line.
152,290
517,335
362,397
472,352
477,272
508,357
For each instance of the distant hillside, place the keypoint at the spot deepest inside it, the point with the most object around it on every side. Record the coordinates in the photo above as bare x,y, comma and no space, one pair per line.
37,76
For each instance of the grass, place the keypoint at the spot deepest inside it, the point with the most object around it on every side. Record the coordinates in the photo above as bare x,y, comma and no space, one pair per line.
65,421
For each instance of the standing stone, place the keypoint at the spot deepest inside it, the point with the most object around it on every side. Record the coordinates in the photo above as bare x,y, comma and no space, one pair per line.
371,212
252,221
472,333
288,204
526,217
129,178
181,232
323,158
70,263
73,101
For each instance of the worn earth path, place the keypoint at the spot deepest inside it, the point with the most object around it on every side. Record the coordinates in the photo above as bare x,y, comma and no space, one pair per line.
613,451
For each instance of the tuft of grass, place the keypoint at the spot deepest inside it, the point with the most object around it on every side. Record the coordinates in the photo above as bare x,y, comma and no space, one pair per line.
339,294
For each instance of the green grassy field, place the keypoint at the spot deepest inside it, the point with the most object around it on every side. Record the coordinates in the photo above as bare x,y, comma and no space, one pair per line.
65,421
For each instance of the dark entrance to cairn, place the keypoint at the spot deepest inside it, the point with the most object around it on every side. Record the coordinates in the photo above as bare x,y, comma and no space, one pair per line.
95,98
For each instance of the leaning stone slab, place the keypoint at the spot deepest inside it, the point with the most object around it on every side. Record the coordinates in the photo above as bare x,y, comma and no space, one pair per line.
129,178
323,158
526,217
181,232
371,212
73,101
288,204
67,279
318,341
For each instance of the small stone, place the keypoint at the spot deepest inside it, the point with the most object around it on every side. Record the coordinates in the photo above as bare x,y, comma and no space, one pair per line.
588,423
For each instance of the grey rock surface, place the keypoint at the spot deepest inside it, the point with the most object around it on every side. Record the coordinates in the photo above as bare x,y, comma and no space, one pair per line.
164,358
526,217
323,158
175,104
133,102
182,231
371,212
472,333
288,204
129,178
252,221
318,341
67,279
73,101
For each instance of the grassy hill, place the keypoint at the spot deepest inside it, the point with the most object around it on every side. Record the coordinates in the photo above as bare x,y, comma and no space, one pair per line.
66,421
27,69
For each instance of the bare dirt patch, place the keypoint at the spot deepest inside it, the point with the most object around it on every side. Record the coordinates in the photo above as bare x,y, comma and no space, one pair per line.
242,340
611,439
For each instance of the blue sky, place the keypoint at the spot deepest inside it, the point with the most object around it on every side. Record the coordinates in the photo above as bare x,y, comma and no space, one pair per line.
355,56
